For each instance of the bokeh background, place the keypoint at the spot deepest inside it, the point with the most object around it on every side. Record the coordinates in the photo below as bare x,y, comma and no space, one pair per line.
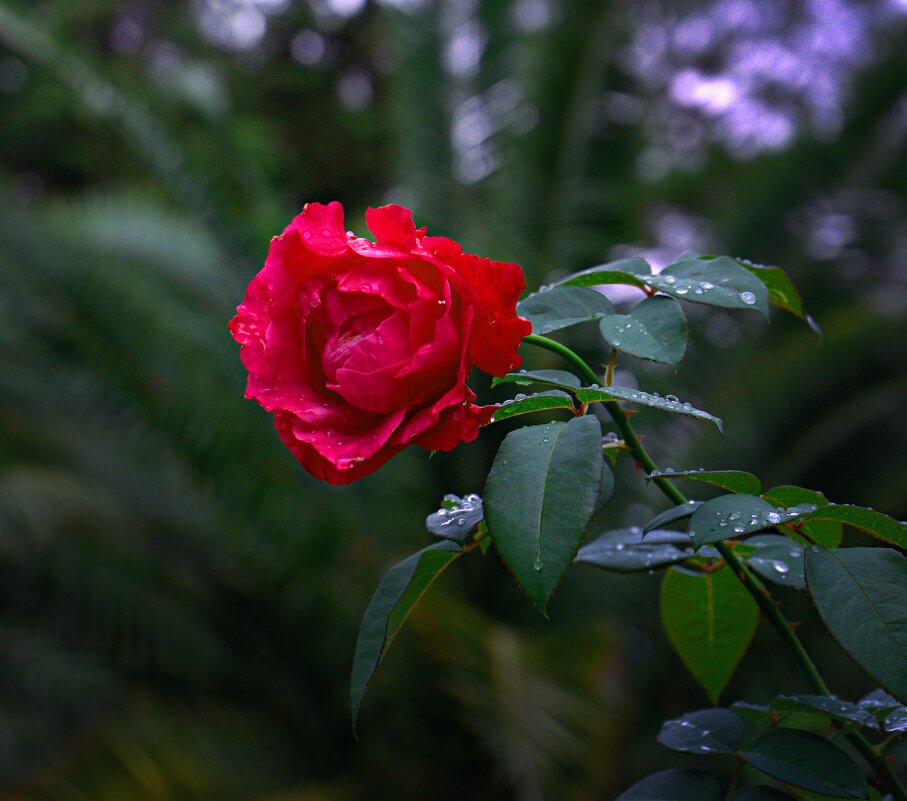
178,600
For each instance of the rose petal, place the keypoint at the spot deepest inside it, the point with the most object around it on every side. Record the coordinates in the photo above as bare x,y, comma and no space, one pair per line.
413,379
498,331
320,229
493,287
443,420
391,223
347,447
377,279
320,467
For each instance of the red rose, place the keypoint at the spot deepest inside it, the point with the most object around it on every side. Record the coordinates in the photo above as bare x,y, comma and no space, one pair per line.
361,348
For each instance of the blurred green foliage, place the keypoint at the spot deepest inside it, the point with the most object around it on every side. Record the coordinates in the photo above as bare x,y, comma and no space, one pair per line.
179,602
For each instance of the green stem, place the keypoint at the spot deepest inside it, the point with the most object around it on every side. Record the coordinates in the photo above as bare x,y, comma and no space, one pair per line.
763,598
566,353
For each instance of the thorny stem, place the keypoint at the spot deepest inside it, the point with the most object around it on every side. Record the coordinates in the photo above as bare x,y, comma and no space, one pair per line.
566,353
761,595
609,368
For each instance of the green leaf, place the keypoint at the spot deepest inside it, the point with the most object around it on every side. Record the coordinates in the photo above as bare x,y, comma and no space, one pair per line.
730,480
710,620
875,523
606,487
715,282
861,594
655,330
781,290
806,760
675,785
778,559
825,533
526,404
878,703
672,515
402,586
885,709
633,271
733,516
752,713
625,550
456,518
554,378
562,307
759,792
708,731
896,722
540,495
668,403
825,707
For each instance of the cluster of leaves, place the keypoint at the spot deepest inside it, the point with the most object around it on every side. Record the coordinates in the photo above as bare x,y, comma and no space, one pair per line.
759,736
549,481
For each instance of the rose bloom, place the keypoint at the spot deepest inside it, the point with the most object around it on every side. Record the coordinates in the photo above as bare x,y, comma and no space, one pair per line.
362,348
